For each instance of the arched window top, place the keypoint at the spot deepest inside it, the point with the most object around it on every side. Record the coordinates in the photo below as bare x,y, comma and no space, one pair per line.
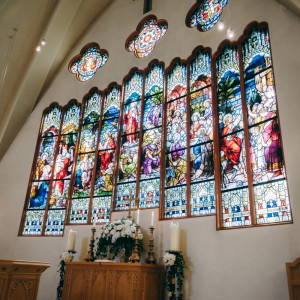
112,101
52,119
154,82
200,68
148,32
133,85
177,77
85,64
92,106
71,117
205,14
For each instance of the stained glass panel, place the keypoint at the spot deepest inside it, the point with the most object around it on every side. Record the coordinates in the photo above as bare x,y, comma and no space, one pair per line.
134,87
92,108
206,14
83,176
272,202
128,163
153,111
52,121
59,194
112,103
175,202
177,81
71,119
132,112
79,211
38,194
236,208
154,81
101,208
88,61
88,138
203,198
148,33
33,222
55,222
149,193
123,196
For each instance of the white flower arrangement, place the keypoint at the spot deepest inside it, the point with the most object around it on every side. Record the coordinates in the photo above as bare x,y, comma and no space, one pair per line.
115,235
169,259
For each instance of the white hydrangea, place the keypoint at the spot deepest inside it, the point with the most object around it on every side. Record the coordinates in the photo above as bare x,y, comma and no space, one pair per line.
169,259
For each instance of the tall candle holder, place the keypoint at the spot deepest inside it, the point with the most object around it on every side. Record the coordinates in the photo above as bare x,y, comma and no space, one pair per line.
151,258
90,255
135,256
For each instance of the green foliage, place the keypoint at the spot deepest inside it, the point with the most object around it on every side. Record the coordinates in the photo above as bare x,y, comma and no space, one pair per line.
225,91
175,276
61,270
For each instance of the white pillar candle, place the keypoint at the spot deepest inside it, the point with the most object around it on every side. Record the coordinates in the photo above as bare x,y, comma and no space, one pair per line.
174,236
152,219
71,240
138,216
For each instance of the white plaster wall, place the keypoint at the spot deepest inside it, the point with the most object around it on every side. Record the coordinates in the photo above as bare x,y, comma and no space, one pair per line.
223,265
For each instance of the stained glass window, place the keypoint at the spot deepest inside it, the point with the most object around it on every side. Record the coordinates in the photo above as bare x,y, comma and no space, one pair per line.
151,143
82,182
148,32
176,141
85,64
42,173
129,150
205,14
202,197
266,154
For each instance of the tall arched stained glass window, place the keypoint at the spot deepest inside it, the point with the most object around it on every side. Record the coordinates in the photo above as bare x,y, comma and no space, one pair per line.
42,172
107,148
151,142
63,166
82,187
129,151
234,178
266,154
202,199
176,141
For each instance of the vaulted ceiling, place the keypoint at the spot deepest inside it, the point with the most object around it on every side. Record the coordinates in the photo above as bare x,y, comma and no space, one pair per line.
24,73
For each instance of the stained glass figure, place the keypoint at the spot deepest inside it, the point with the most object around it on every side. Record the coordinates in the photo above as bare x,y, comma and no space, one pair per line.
205,14
266,154
79,211
149,193
55,222
272,202
85,64
107,144
236,208
203,198
33,222
101,208
148,32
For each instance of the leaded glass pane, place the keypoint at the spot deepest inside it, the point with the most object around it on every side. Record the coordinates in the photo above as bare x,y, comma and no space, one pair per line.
272,202
88,138
79,211
134,87
33,222
83,176
203,198
112,103
236,208
149,193
123,196
55,222
153,111
52,121
71,119
206,14
59,193
177,81
154,80
92,108
175,202
131,123
101,208
128,163
38,194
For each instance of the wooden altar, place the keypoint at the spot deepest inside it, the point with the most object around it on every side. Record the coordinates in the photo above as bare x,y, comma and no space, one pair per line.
19,280
113,281
293,276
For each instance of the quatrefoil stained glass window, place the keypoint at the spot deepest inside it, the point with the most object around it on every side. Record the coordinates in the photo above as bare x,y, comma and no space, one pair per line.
205,14
148,32
85,64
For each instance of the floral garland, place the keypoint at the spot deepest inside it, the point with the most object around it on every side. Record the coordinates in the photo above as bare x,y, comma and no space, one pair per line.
116,236
66,256
175,265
